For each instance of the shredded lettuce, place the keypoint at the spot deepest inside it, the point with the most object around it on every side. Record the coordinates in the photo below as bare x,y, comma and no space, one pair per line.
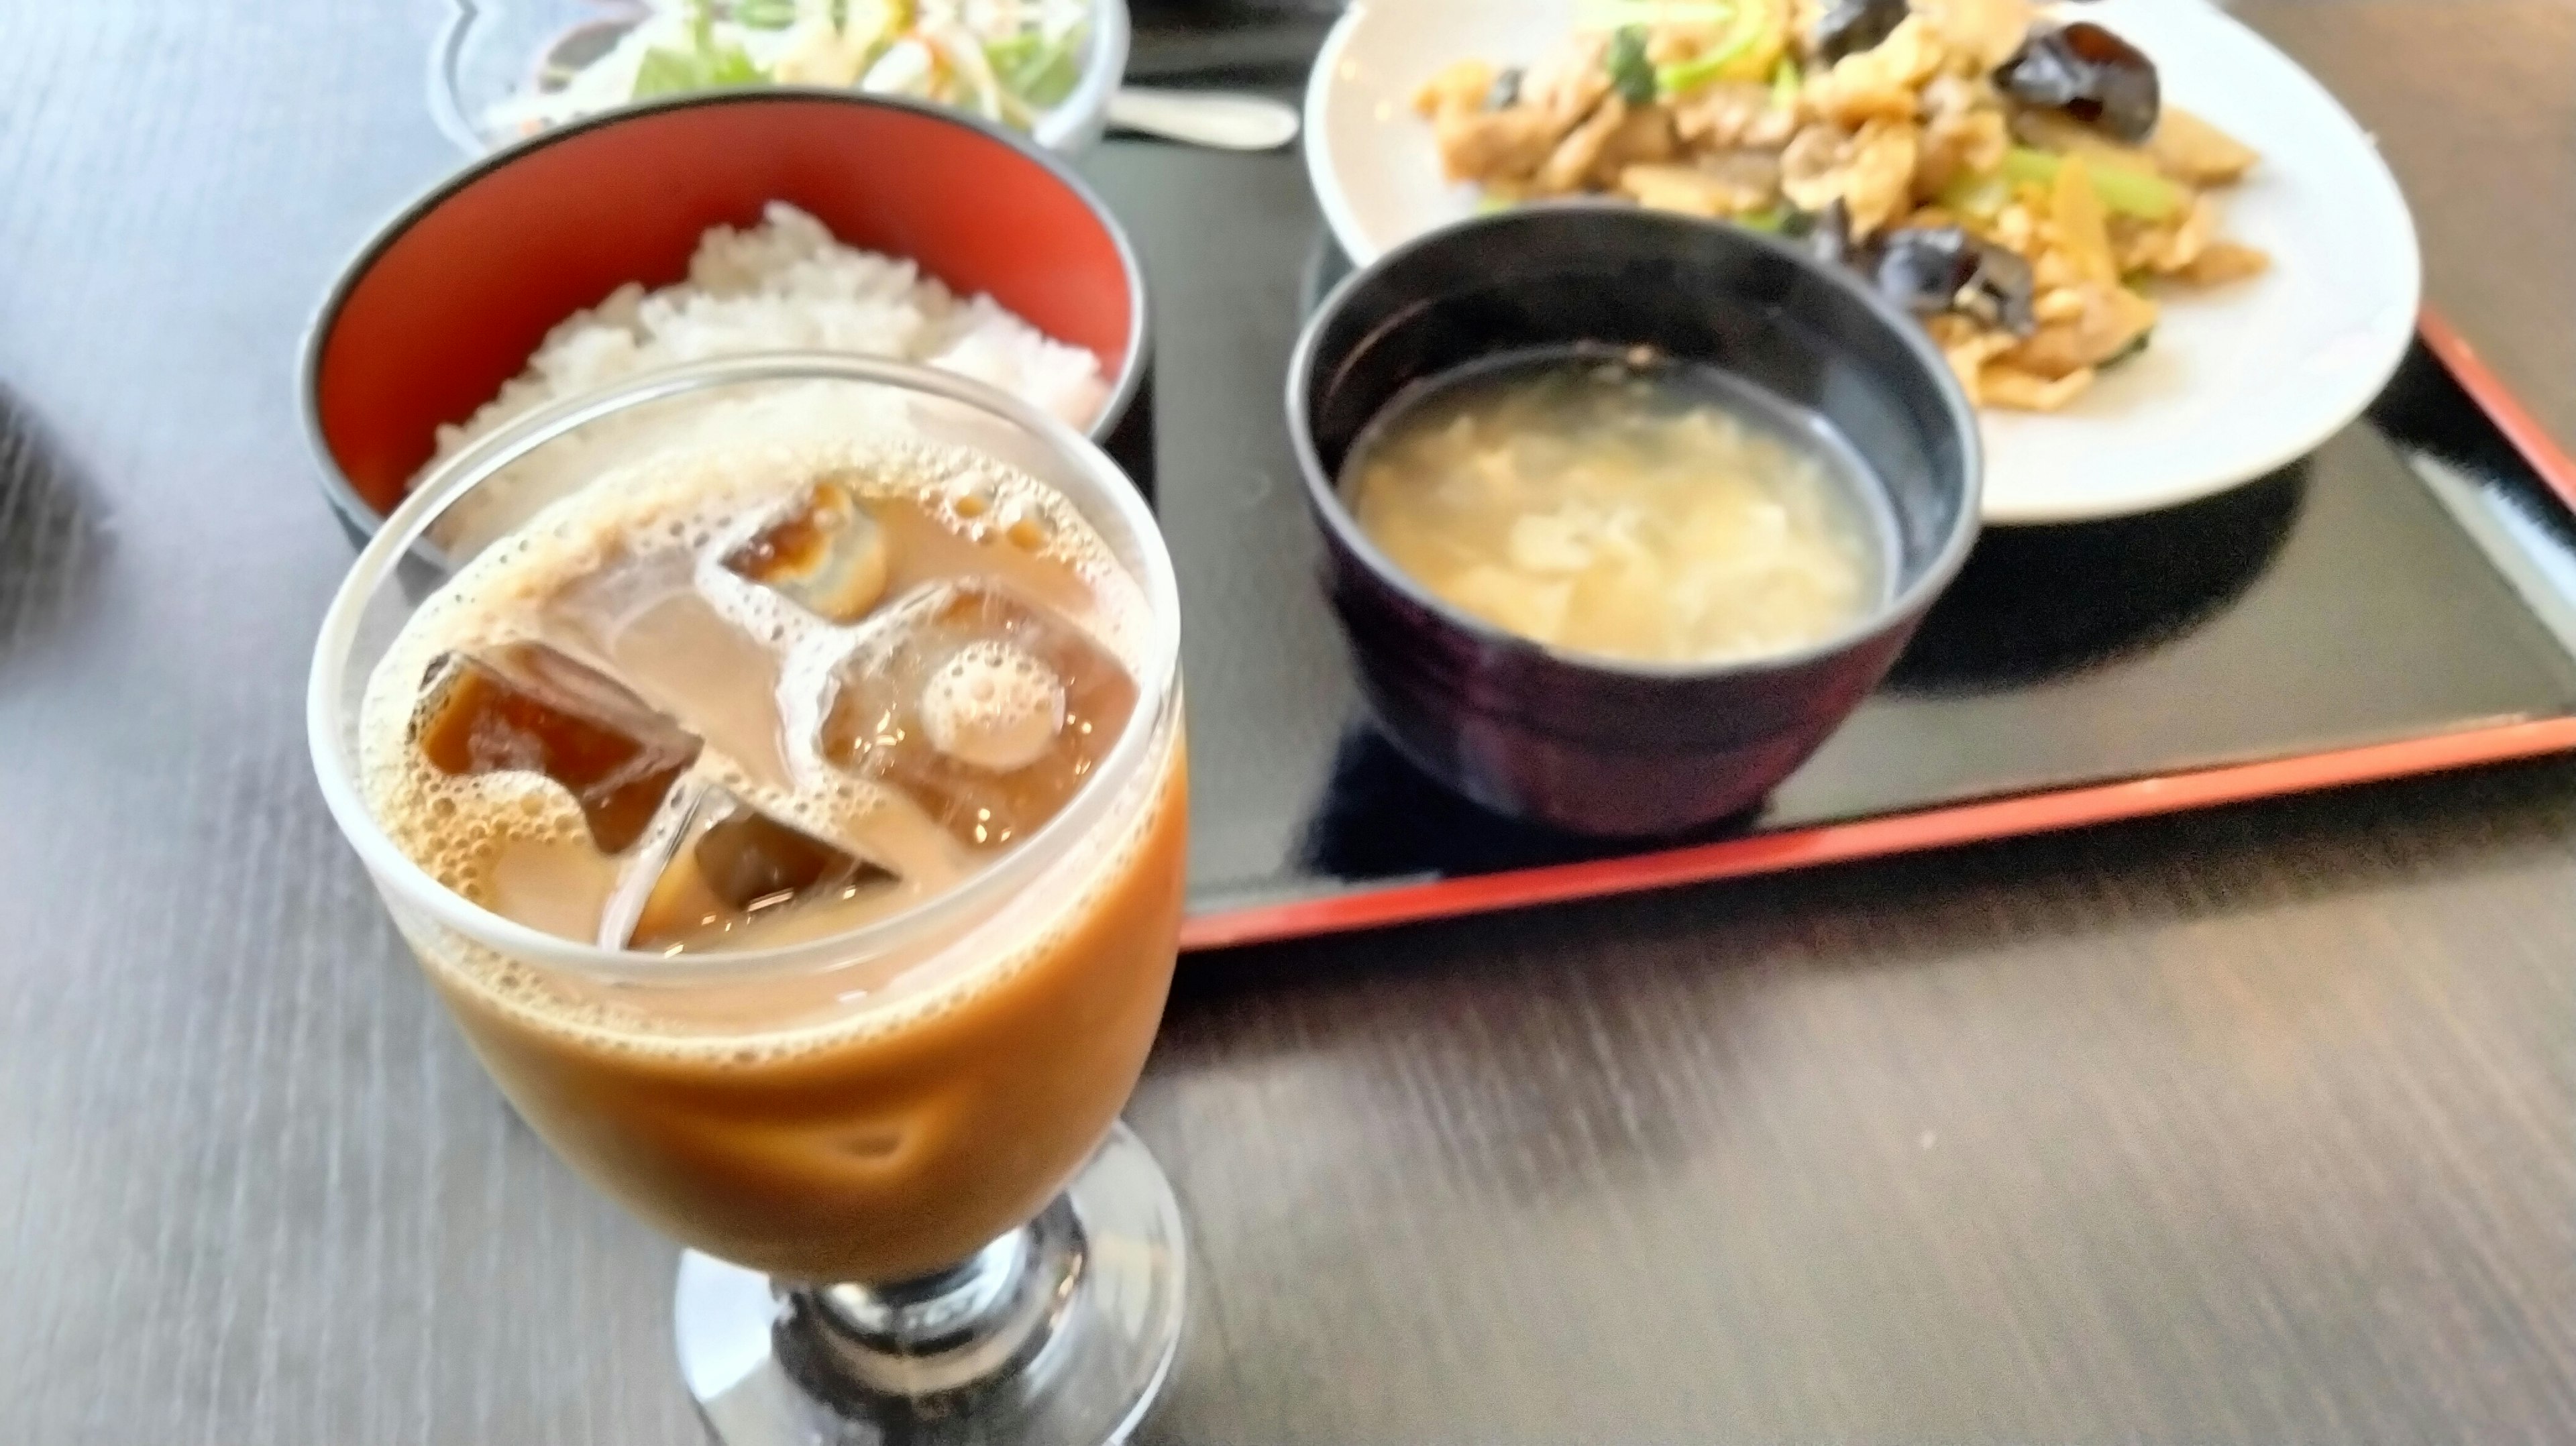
1008,79
1980,195
1038,70
667,72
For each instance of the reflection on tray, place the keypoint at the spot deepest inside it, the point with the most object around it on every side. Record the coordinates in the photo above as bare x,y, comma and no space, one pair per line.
48,543
2041,602
1236,42
2033,604
2433,420
1383,818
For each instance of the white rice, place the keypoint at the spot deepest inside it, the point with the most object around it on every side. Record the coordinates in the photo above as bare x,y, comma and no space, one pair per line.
783,285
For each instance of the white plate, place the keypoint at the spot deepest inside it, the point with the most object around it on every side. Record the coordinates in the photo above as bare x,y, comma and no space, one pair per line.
2239,381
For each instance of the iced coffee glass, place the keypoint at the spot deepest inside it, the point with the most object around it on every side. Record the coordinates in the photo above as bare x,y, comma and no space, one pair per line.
868,1073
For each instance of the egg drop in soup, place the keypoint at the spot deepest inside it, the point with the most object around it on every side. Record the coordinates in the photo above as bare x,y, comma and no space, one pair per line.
1634,508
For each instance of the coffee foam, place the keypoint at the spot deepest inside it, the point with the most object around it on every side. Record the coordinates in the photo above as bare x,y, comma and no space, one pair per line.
993,706
706,500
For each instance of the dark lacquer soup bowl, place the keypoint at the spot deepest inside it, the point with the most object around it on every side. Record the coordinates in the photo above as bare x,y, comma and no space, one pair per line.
1589,743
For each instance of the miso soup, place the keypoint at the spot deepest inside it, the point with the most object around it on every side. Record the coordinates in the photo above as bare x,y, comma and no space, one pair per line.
1628,506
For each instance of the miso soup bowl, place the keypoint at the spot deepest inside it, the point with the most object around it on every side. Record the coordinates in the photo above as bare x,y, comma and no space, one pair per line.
1586,743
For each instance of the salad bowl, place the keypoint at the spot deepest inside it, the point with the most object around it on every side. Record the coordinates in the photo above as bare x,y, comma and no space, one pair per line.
503,70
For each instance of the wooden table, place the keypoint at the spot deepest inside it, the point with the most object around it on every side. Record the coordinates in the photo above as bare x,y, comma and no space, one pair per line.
2252,1126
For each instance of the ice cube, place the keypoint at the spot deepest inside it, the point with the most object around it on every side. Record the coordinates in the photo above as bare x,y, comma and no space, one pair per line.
529,708
981,705
644,617
826,555
992,707
731,867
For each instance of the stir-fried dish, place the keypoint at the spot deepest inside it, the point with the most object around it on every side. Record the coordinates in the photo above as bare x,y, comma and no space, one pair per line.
1006,60
2015,181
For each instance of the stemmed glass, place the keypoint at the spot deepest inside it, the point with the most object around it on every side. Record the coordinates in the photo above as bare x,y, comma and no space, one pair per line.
895,1155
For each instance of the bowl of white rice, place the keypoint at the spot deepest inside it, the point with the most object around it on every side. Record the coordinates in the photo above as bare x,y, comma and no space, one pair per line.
721,224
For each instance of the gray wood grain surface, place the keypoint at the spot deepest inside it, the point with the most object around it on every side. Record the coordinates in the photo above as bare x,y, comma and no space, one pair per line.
2256,1126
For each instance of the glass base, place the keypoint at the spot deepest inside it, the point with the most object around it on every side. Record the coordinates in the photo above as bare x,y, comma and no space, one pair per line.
1058,1334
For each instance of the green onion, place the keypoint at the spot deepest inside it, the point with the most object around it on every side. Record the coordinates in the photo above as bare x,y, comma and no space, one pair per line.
1752,25
1631,74
1982,196
1786,79
765,14
1684,76
1769,218
2124,191
1013,51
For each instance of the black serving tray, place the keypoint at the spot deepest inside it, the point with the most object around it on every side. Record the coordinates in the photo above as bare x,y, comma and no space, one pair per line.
2403,600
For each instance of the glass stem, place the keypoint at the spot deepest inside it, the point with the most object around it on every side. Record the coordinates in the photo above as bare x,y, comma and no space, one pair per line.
942,1333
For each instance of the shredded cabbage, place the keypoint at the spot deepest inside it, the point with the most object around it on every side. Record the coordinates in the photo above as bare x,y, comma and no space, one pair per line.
1006,60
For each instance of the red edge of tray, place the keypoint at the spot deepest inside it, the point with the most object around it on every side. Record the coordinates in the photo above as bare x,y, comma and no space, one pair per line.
1963,823
2502,407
